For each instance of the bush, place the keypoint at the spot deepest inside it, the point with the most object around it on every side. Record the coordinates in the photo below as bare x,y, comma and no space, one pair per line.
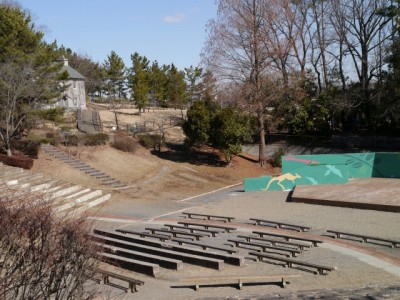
43,256
71,140
154,141
276,158
96,139
17,160
51,114
28,147
124,143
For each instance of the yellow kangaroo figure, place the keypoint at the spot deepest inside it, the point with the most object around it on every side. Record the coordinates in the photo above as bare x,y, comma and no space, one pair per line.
281,178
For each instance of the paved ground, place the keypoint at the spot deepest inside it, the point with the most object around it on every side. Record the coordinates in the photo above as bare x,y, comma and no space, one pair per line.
367,271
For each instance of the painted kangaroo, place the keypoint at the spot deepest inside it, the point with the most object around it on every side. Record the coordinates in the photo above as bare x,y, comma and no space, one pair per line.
280,179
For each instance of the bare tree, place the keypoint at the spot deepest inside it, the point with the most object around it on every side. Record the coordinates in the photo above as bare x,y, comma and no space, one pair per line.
23,86
42,256
235,52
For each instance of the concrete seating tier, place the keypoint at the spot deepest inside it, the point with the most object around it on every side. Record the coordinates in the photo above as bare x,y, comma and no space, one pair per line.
65,198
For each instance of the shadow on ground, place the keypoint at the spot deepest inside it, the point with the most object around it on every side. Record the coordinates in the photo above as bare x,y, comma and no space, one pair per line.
181,154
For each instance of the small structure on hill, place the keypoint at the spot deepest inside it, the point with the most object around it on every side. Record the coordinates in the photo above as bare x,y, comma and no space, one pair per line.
74,97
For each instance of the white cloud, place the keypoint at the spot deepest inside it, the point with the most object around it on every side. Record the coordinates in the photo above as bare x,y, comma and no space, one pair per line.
178,18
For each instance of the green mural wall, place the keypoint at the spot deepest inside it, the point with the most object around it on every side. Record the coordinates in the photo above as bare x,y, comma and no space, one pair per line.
327,169
359,165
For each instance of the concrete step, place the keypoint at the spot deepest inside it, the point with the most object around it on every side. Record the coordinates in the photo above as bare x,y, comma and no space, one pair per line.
7,170
67,191
43,186
70,203
84,191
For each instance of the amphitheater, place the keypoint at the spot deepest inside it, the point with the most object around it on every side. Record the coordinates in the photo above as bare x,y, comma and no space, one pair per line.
140,219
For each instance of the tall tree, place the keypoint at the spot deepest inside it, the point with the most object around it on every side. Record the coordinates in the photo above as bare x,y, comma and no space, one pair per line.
139,80
194,76
235,52
115,75
28,74
158,82
176,88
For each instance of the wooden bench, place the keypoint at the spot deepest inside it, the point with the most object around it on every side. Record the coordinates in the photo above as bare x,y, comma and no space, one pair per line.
130,264
105,275
281,225
265,247
291,262
274,242
314,242
175,233
161,237
207,262
204,246
238,281
365,238
213,233
207,226
208,217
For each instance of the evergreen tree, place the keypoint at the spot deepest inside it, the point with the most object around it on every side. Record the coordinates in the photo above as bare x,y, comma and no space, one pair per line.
158,82
28,72
176,88
115,71
139,80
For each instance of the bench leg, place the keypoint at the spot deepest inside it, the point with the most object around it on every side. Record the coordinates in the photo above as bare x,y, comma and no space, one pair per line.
240,283
132,287
196,287
283,282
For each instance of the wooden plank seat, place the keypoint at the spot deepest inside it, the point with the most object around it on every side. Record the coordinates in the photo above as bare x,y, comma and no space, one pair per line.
281,225
204,246
212,233
161,237
207,262
314,242
175,233
132,282
275,242
207,217
130,264
227,258
207,226
291,262
238,281
265,247
164,262
365,238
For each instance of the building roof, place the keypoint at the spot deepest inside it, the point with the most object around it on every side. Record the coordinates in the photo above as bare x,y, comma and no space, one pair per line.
73,74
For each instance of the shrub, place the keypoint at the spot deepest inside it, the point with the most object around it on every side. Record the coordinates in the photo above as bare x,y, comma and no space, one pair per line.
276,158
154,141
43,256
54,137
17,160
51,114
71,140
96,139
124,143
28,147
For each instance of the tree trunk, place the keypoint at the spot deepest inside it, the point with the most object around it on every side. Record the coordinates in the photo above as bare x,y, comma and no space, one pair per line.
262,158
8,151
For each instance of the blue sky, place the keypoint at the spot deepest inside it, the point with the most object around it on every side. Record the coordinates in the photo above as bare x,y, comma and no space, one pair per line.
169,31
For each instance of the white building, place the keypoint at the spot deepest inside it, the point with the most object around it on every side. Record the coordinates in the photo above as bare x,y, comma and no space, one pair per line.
74,96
